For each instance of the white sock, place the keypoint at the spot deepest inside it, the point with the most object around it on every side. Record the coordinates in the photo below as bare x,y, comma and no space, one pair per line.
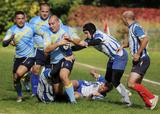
122,90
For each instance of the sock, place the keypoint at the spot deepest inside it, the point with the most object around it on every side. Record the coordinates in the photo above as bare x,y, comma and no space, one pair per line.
34,83
70,92
122,90
146,100
143,91
18,87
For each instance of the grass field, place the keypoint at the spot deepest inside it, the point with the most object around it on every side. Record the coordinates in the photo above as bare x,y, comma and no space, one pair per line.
110,105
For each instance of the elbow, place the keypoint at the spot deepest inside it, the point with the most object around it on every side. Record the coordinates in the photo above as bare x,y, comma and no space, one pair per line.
4,44
46,50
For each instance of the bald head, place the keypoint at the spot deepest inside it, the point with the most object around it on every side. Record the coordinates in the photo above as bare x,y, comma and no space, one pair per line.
54,17
129,15
54,23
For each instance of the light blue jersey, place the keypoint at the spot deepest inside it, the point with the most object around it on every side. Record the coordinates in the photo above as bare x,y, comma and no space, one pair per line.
108,44
39,24
23,38
135,34
50,37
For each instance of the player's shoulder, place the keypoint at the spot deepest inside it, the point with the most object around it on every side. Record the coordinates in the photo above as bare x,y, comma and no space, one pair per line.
98,34
34,19
12,28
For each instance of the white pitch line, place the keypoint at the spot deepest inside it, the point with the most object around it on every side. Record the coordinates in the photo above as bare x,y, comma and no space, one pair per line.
101,69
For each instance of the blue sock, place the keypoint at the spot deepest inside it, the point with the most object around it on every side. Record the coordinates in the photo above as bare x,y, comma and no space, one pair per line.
34,83
18,87
70,92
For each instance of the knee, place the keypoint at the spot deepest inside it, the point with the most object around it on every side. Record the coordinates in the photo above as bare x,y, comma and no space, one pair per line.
18,74
130,85
36,70
115,82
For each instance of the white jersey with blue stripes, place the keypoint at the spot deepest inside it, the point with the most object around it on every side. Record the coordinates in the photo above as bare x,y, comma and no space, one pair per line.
108,44
135,34
23,38
89,88
39,24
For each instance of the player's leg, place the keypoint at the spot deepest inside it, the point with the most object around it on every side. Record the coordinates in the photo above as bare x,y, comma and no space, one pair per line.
64,76
116,77
75,84
39,61
17,84
134,82
108,74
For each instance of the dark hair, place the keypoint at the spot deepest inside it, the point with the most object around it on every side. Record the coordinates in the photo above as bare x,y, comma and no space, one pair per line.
19,12
89,27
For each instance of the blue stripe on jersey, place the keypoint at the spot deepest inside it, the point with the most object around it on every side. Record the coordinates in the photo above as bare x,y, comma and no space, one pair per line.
134,42
110,52
98,36
112,47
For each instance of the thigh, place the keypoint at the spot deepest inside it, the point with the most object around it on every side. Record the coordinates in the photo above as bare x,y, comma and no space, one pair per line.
108,75
21,70
134,78
117,75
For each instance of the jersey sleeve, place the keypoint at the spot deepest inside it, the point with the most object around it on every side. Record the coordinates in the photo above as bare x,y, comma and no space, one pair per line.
101,79
139,32
8,34
73,33
99,36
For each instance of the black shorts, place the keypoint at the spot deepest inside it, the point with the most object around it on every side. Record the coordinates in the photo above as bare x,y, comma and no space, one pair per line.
27,62
40,57
57,67
141,66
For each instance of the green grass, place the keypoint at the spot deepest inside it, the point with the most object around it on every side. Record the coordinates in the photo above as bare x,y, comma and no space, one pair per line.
111,104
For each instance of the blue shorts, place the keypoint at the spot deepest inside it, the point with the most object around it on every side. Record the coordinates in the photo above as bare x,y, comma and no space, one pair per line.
27,62
40,57
119,63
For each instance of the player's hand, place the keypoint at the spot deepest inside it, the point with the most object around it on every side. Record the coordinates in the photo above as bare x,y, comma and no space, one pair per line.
136,57
66,37
62,42
94,73
83,43
119,49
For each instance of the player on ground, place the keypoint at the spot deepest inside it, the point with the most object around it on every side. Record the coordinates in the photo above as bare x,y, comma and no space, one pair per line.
141,61
90,89
39,22
21,36
117,61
